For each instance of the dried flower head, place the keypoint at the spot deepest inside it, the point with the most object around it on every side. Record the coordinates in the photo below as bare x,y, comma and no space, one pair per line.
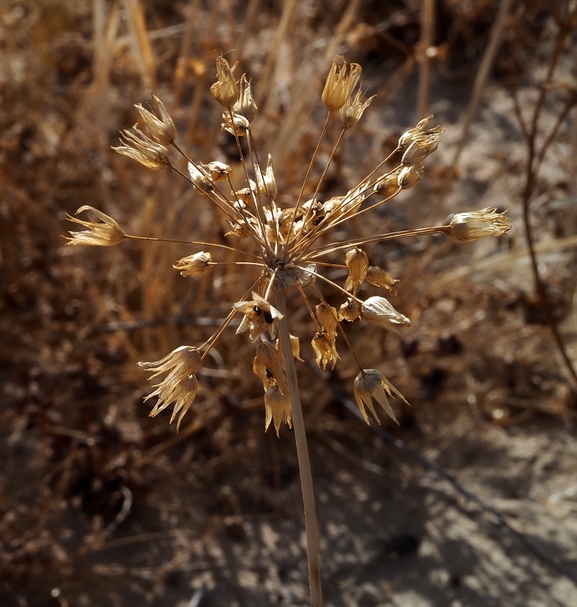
288,242
419,132
180,385
380,311
325,348
143,149
328,318
259,317
245,105
193,265
218,171
370,384
159,124
350,310
105,234
465,227
268,365
358,265
277,408
226,90
340,83
353,109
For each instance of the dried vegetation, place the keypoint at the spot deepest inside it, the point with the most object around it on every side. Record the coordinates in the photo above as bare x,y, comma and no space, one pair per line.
100,504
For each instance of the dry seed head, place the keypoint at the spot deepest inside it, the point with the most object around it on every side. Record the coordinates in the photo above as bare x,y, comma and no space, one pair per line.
279,223
277,407
179,363
200,178
143,149
267,357
245,104
182,394
159,125
313,212
259,316
226,90
410,176
388,185
218,171
353,109
328,318
238,125
409,136
193,265
358,265
465,227
267,183
325,349
180,385
421,147
247,194
239,229
369,384
350,310
340,83
164,116
105,234
380,311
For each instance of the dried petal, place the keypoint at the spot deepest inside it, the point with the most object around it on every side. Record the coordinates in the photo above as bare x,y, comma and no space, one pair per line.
378,277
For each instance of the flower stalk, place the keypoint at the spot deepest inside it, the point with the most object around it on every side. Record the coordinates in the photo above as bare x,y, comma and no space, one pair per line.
307,487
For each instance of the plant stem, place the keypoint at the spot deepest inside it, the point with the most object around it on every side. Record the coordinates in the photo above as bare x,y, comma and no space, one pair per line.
311,523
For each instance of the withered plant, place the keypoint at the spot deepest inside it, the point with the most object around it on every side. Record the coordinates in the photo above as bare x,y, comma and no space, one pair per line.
279,248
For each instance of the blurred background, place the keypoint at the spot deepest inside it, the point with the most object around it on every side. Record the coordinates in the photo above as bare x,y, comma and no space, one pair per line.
471,500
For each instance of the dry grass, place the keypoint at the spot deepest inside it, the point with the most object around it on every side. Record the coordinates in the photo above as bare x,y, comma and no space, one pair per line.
110,507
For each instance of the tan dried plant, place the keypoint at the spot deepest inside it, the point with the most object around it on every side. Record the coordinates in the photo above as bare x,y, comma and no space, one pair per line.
290,246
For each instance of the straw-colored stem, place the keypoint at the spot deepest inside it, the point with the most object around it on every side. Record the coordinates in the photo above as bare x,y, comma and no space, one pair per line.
311,523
